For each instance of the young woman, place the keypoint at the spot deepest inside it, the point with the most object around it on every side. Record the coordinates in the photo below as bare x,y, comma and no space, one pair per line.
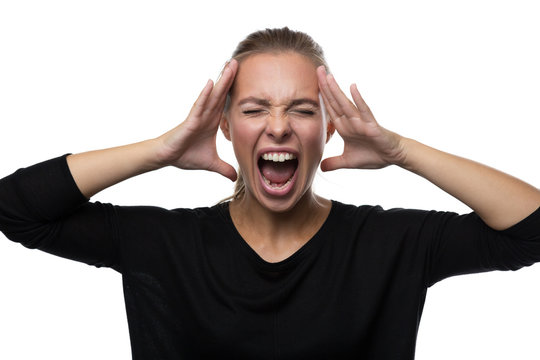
278,272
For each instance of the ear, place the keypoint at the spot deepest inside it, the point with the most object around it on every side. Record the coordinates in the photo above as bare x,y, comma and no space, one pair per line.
224,125
330,128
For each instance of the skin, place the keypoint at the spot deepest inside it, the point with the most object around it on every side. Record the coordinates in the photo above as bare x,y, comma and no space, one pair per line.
275,227
499,199
262,117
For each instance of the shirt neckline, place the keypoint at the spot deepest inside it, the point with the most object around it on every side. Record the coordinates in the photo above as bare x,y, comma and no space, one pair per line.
309,247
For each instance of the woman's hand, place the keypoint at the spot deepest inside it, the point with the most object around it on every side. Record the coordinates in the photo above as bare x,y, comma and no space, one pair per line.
192,144
499,199
367,145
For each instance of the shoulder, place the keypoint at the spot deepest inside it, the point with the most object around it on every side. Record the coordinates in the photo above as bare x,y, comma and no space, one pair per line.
377,212
158,215
154,230
391,220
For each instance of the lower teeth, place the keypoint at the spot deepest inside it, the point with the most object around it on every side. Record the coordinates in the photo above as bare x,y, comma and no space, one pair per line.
275,186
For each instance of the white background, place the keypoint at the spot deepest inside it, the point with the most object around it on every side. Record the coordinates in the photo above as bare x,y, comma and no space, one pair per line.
462,76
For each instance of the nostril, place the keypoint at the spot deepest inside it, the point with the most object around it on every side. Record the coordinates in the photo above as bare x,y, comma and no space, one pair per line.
278,130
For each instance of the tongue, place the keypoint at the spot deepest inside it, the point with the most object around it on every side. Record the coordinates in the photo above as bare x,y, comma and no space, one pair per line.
278,172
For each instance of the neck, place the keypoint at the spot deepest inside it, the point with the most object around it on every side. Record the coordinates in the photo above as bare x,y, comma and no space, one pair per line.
264,228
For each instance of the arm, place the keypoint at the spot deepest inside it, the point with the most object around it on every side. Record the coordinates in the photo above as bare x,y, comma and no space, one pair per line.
499,199
191,145
46,205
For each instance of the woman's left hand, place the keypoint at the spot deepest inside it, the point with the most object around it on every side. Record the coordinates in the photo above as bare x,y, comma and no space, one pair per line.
367,145
499,199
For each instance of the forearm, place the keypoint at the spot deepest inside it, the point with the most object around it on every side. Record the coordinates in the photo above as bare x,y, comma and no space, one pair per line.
499,199
94,171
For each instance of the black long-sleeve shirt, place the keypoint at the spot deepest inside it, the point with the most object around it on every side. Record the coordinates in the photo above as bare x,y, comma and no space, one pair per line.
194,289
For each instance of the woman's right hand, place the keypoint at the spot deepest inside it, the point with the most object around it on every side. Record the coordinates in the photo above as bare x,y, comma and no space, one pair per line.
192,144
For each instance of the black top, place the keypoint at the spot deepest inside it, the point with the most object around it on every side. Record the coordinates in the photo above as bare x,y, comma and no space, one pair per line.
194,289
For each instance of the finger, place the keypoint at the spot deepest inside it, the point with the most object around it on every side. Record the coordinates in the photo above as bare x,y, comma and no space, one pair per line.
223,85
227,76
199,105
359,100
342,127
334,163
323,83
342,102
231,64
223,98
225,169
336,104
331,104
333,115
220,90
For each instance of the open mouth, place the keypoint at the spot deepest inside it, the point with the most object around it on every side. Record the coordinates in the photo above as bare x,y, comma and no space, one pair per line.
277,169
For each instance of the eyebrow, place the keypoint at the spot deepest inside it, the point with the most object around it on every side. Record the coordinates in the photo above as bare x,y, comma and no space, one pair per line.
253,99
264,102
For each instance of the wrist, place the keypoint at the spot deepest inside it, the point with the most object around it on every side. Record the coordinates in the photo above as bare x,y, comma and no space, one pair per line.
158,155
405,156
397,149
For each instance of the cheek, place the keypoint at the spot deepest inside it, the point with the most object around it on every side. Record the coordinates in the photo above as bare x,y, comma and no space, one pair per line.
240,131
244,135
312,135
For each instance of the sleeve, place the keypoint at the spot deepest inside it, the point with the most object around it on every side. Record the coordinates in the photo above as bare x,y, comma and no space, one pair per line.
463,244
42,208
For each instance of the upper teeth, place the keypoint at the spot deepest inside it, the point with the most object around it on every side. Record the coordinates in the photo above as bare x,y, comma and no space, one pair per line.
278,157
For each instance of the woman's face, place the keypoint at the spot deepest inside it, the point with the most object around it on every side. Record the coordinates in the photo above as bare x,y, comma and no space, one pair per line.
277,128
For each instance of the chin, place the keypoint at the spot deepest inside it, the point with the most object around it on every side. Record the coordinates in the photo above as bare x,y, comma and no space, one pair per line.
282,203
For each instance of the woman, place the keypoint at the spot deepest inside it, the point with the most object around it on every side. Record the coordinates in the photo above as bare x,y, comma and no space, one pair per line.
277,272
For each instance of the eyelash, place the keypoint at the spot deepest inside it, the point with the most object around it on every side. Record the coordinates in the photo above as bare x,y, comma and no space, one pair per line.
251,112
303,112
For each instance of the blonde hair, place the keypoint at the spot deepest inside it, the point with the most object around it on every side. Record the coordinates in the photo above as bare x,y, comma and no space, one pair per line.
274,41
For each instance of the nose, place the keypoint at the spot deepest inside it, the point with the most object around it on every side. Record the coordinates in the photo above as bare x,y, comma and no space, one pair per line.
278,127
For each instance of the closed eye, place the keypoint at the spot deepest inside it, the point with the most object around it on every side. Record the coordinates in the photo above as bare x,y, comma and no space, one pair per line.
305,112
251,112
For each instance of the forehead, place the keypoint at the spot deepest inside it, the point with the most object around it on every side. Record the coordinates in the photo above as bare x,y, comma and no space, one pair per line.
276,77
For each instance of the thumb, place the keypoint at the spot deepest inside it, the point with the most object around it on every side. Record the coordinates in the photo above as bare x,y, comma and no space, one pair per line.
225,169
333,163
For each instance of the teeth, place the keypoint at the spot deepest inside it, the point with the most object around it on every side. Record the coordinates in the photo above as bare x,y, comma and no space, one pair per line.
278,157
277,187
